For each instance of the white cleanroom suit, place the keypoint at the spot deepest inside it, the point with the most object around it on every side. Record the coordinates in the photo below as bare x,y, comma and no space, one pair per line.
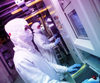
31,66
45,47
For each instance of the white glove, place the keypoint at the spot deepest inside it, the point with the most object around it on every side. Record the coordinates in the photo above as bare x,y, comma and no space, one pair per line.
91,80
57,41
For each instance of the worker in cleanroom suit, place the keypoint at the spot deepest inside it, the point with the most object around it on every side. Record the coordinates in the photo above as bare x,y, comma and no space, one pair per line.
31,66
43,43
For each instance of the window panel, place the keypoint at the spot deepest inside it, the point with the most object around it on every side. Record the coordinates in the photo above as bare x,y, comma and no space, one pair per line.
77,25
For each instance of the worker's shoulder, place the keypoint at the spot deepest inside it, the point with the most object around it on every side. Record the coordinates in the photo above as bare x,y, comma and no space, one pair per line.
20,56
21,52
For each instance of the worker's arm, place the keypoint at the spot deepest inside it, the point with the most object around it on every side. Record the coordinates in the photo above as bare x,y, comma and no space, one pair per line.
41,41
63,69
31,74
48,46
53,37
59,68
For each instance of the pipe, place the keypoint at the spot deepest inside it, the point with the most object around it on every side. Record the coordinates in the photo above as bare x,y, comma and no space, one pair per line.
37,13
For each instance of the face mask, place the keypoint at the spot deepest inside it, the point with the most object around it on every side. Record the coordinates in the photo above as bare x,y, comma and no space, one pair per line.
42,28
26,35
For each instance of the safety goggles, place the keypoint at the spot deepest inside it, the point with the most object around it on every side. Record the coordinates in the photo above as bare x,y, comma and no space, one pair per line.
28,28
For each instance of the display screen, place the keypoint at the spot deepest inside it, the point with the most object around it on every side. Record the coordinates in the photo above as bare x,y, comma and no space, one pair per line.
77,25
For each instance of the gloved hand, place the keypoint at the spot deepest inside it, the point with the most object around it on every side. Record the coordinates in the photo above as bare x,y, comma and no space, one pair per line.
73,68
55,35
91,80
57,41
